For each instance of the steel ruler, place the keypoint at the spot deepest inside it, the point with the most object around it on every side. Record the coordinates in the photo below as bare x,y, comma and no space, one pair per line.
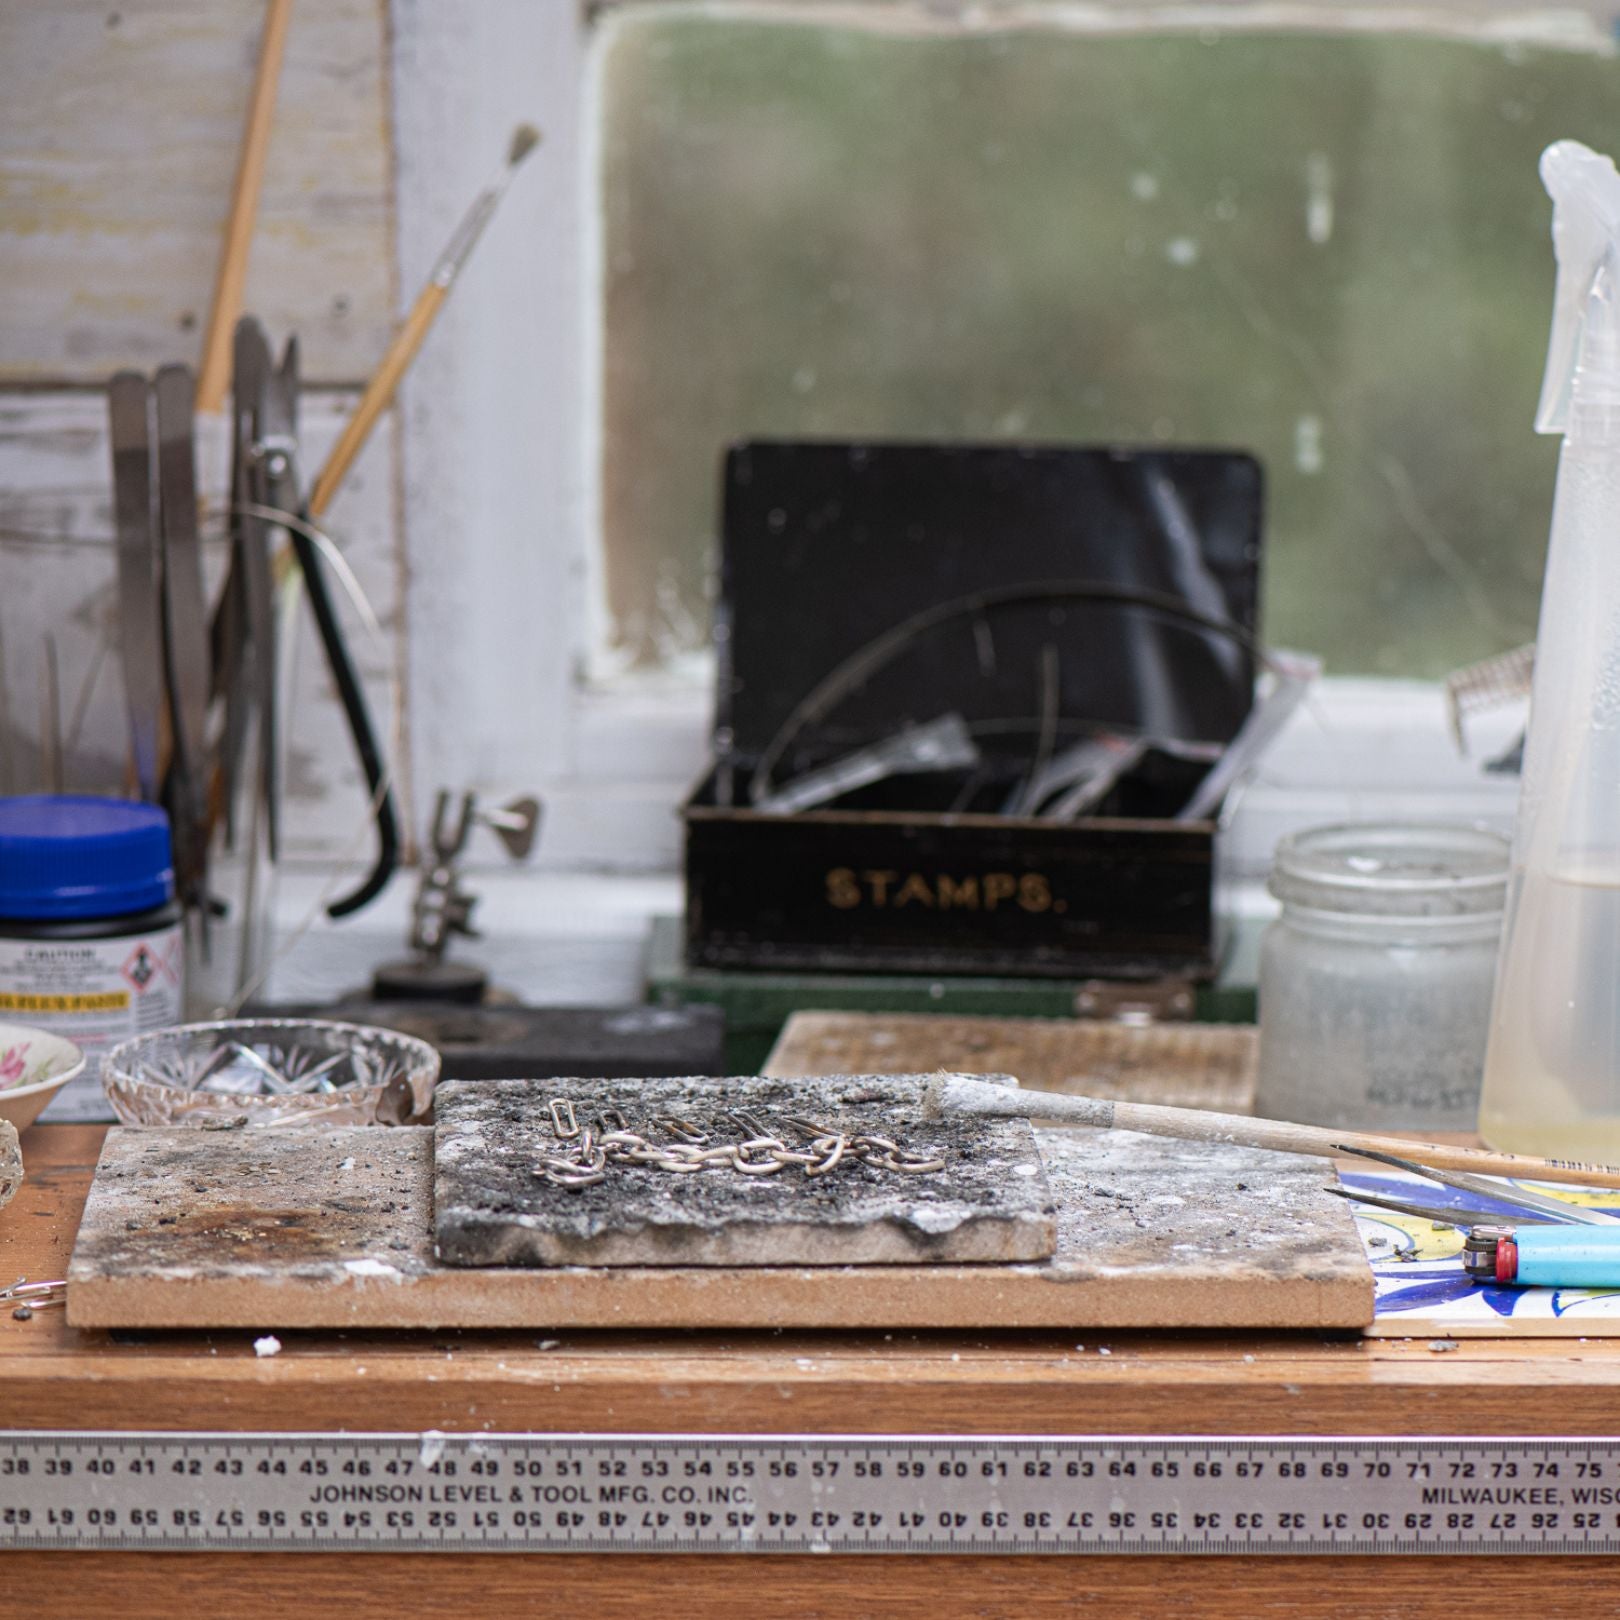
712,1493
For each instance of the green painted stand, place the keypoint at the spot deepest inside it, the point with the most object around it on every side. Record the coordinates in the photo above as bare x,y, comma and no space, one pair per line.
756,1005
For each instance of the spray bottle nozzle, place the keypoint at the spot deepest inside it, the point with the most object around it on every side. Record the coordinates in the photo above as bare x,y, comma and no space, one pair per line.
1585,190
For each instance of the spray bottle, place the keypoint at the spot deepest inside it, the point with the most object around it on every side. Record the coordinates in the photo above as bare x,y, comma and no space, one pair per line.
1552,1066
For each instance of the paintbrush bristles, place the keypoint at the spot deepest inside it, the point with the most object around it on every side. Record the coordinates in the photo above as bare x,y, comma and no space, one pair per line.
524,140
409,338
956,1094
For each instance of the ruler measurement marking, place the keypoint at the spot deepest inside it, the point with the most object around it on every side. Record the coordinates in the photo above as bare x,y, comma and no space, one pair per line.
1003,1494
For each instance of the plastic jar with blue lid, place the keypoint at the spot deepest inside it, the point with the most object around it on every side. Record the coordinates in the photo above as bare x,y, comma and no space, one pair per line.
92,942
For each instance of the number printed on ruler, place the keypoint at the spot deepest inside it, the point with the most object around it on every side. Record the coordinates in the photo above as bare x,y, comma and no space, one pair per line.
805,1493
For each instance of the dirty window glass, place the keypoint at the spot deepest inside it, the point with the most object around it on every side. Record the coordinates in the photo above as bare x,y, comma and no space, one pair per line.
1329,248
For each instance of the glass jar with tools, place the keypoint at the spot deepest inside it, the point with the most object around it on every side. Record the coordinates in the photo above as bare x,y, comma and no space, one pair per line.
1375,980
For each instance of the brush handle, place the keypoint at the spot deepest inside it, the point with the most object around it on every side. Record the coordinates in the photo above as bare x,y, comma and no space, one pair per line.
1282,1137
379,393
967,1094
214,370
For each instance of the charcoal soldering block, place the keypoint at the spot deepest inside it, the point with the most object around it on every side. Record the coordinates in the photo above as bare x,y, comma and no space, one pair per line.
987,1202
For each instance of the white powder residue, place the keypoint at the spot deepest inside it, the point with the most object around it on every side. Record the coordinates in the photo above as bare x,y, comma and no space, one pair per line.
269,1345
371,1268
938,1218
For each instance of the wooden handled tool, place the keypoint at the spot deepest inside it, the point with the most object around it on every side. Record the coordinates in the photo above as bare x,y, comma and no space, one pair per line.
409,338
214,372
957,1094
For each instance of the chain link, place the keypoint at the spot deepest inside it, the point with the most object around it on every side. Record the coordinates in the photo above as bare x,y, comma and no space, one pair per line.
586,1149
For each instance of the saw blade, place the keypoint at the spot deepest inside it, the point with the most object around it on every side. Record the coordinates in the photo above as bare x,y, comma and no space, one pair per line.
140,605
185,625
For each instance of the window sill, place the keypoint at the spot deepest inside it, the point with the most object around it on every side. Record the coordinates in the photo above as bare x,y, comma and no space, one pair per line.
573,928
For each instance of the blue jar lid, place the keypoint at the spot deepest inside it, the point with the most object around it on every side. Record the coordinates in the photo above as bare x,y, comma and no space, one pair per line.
67,856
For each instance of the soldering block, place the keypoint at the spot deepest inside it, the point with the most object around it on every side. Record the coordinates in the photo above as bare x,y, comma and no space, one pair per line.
989,1202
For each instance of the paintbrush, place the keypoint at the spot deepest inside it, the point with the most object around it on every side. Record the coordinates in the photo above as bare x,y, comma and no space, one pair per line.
409,338
954,1095
214,370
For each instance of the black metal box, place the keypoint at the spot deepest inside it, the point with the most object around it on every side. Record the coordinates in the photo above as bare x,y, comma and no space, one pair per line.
1041,593
510,1041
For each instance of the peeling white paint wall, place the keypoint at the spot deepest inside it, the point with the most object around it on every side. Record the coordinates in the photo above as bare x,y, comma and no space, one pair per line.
468,519
118,149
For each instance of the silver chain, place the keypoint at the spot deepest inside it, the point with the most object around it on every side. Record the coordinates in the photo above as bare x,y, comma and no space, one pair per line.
24,1297
588,1148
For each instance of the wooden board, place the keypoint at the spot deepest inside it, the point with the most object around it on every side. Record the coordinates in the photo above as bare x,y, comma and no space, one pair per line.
179,1231
1182,1065
1189,1065
794,1381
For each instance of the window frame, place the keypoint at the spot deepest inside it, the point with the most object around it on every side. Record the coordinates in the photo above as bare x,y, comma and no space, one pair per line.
500,451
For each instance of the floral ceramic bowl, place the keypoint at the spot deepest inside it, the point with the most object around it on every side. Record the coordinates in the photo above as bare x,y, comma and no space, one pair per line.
34,1066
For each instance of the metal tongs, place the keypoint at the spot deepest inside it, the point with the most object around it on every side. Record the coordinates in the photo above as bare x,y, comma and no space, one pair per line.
939,745
268,488
161,609
1566,1246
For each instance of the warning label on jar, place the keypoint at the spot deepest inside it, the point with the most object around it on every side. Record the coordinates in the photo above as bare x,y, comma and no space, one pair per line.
96,992
96,1001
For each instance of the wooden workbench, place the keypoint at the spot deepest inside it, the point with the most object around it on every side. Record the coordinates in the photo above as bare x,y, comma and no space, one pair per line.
54,1377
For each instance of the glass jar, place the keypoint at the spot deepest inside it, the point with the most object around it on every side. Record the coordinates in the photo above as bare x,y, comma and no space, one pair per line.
92,942
1375,980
